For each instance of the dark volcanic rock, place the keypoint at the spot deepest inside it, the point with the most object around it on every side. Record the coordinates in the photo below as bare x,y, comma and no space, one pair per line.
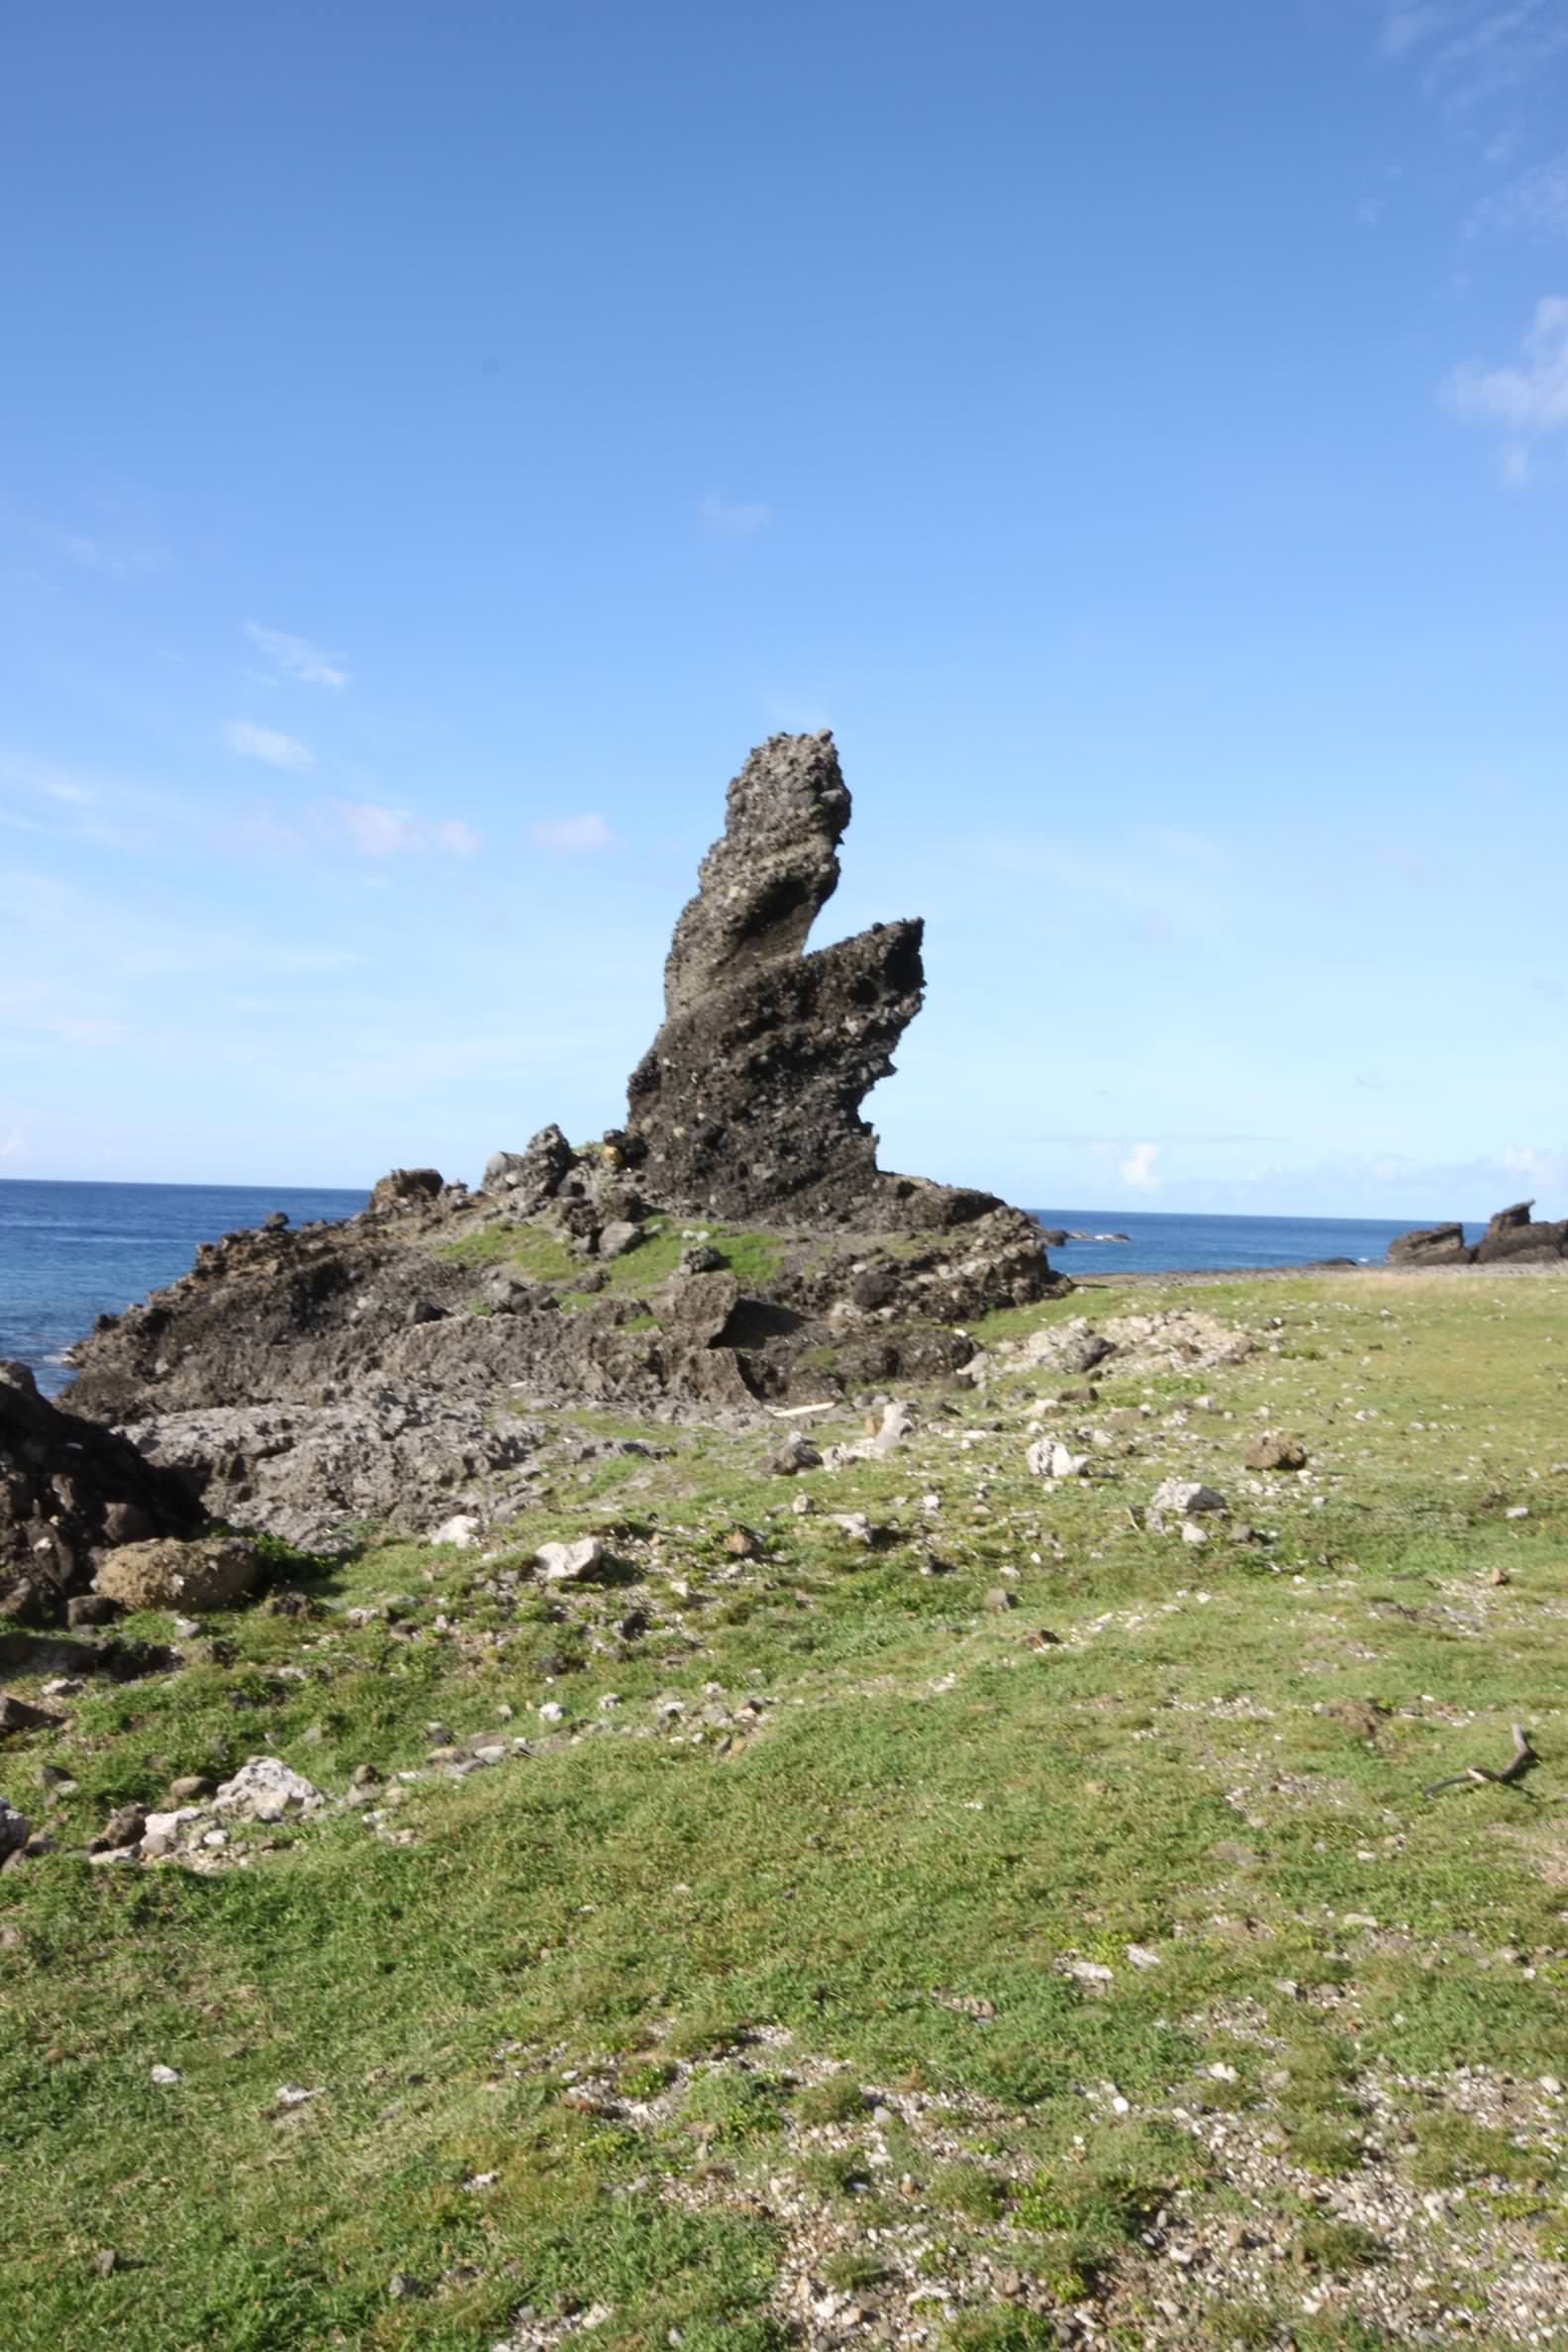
401,1188
68,1489
1430,1246
526,1180
304,1382
749,1100
1511,1236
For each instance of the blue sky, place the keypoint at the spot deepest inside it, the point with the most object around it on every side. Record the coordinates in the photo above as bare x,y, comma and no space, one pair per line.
436,442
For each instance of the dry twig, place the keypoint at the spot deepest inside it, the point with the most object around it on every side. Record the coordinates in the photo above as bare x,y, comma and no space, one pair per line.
1523,1760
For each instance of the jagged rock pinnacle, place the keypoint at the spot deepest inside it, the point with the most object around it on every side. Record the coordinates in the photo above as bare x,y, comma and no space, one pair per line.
749,1100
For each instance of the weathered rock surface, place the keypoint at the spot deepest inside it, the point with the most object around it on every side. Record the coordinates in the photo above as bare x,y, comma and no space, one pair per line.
1511,1236
1430,1246
68,1489
747,1102
265,1789
310,1382
215,1572
316,1475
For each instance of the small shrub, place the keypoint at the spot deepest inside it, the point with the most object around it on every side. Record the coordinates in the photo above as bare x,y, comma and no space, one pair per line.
849,2272
1328,2245
837,2099
968,2189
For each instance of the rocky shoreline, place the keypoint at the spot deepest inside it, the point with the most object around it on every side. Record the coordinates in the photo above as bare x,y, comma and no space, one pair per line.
731,1247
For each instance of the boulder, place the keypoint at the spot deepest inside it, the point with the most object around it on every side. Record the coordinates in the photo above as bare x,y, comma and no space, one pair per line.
264,1789
403,1188
211,1573
1512,1234
1183,1499
569,1563
67,1489
1275,1453
526,1179
1430,1246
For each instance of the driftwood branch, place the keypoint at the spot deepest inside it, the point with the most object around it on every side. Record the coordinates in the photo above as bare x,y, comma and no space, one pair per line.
1523,1760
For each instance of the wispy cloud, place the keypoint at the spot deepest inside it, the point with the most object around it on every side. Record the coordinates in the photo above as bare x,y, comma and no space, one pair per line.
1467,52
106,810
268,743
1405,28
1534,204
296,656
377,832
1529,398
1536,1163
1137,1171
114,561
721,519
573,836
10,1145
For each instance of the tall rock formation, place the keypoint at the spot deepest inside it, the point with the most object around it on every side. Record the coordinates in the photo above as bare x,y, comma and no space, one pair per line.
747,1102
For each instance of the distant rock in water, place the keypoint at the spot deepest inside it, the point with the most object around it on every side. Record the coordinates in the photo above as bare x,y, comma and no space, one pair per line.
747,1102
1510,1237
1510,1234
1430,1246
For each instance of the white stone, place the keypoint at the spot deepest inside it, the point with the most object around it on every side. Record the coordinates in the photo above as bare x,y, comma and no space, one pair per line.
463,1529
163,2076
1184,1498
1047,1457
264,1789
568,1563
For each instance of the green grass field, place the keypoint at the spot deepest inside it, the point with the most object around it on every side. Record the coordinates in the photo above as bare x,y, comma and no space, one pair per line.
1026,1928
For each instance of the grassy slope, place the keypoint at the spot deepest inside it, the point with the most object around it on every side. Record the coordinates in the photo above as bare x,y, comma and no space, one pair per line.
735,1936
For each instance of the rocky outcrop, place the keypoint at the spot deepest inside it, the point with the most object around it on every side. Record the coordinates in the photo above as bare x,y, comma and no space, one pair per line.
1510,1237
312,1382
69,1491
1430,1246
747,1102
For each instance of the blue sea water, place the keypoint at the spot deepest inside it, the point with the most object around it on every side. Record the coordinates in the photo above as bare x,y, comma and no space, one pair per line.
71,1251
1160,1242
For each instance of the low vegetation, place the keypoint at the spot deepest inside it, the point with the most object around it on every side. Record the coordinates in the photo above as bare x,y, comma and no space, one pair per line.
997,1923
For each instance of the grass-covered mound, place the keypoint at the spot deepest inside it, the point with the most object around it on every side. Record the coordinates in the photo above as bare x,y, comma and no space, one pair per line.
992,1921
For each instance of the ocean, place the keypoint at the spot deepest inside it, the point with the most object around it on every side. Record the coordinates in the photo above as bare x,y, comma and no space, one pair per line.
71,1251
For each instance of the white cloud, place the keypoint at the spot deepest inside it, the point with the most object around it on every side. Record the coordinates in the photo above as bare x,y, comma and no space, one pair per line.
1534,204
114,562
1527,399
1404,29
1137,1171
297,655
455,838
1467,52
268,743
375,831
573,836
10,1145
90,1032
721,520
1546,1169
385,832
